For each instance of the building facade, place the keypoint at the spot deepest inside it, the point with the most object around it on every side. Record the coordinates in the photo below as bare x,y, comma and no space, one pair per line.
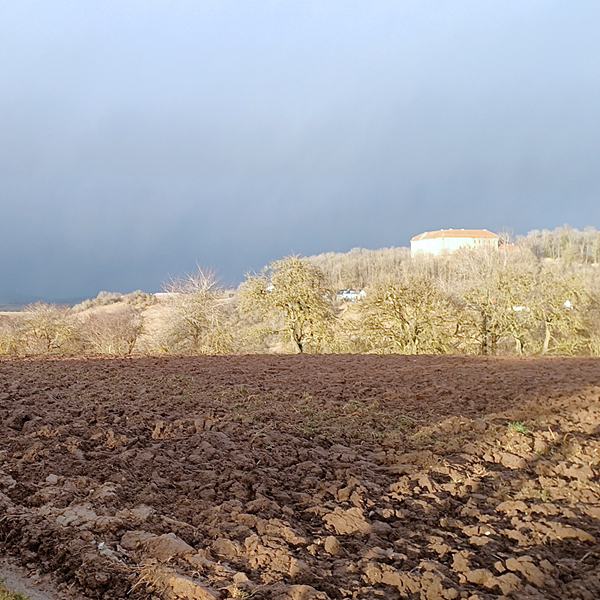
449,240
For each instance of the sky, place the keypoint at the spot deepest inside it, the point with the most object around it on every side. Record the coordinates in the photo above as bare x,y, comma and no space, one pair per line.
141,139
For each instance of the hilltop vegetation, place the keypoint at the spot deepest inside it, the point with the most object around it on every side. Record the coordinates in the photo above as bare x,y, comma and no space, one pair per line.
540,295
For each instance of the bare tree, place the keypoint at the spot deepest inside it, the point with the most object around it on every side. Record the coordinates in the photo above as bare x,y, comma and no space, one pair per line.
294,291
559,305
47,328
9,338
198,314
112,331
590,315
504,301
409,314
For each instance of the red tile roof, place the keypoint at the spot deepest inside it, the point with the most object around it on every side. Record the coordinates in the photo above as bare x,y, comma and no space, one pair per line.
456,233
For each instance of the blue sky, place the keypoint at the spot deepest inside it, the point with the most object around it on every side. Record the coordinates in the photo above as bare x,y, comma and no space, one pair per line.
140,138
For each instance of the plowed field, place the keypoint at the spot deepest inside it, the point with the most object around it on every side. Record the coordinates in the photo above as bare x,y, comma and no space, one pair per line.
304,477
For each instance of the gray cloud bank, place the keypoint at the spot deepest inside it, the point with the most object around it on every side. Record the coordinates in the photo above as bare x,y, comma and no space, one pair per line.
139,139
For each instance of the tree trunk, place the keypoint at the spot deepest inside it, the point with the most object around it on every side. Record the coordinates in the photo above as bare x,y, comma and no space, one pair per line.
494,344
297,341
546,339
484,335
519,345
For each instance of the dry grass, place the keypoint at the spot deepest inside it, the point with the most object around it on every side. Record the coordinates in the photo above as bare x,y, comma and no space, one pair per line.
309,415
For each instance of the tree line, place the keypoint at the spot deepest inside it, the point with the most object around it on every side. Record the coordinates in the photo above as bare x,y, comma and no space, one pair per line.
538,296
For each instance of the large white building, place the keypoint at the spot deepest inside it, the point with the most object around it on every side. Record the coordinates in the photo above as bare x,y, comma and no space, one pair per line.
448,240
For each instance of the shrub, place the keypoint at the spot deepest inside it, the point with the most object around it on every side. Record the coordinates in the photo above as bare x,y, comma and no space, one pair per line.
115,332
9,338
47,328
197,320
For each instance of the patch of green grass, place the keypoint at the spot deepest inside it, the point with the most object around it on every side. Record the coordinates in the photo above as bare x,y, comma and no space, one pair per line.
517,427
5,594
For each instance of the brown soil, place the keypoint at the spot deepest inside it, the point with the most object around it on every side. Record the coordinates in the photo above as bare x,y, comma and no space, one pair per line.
304,477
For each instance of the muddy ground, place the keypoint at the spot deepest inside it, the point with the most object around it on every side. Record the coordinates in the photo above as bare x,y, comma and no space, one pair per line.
15,580
304,477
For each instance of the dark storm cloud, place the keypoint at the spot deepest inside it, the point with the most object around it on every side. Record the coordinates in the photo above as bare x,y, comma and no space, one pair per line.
138,139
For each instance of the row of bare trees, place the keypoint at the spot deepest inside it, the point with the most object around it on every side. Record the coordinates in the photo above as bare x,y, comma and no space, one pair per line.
473,301
565,243
469,302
